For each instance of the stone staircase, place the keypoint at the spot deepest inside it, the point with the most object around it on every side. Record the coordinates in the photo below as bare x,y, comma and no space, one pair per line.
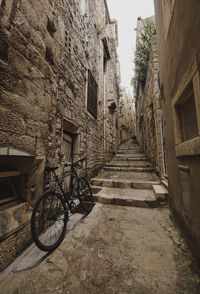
129,179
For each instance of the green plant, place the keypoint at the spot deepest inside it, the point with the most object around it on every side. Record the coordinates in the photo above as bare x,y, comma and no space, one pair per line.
142,51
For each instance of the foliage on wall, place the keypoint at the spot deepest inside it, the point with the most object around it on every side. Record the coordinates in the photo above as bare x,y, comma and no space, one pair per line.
142,52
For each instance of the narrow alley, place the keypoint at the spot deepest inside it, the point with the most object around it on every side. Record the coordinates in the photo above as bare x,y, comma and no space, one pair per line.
99,147
122,246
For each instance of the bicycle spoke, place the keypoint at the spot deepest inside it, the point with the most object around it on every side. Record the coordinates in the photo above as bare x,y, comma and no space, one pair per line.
49,219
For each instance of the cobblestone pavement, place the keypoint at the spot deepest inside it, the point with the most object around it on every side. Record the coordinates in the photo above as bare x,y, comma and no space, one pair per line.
115,249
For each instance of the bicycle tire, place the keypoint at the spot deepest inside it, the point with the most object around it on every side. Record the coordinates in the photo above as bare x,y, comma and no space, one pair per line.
85,195
48,221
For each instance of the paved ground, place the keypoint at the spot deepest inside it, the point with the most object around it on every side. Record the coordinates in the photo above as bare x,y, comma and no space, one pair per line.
116,249
127,176
33,256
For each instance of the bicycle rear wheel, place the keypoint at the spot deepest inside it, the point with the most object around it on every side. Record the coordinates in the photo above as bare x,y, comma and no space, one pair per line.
48,221
85,195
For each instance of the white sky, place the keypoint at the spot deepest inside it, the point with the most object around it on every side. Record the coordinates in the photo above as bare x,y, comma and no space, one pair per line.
126,13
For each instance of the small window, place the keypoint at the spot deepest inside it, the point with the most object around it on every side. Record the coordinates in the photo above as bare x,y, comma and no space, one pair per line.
92,95
186,115
9,186
189,119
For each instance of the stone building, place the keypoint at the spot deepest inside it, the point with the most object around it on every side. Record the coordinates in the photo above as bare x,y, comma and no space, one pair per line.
149,113
111,93
178,25
59,98
127,116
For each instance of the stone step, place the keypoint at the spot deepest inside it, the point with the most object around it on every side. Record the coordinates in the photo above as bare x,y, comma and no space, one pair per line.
130,159
129,146
124,184
133,164
160,192
129,151
119,179
126,197
126,155
133,147
129,168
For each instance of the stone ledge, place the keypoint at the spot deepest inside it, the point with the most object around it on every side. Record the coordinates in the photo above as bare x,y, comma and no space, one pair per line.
13,152
160,192
189,148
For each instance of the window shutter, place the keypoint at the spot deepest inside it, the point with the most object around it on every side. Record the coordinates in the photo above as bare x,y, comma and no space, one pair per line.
92,95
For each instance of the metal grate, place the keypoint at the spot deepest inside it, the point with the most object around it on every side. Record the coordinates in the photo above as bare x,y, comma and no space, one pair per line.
92,95
189,119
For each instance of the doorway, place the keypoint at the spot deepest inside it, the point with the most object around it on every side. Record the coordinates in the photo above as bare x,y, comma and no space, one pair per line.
68,152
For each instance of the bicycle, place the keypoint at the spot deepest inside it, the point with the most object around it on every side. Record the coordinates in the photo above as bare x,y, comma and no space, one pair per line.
50,213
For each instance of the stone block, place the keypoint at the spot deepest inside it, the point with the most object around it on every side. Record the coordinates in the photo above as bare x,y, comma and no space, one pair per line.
160,192
13,217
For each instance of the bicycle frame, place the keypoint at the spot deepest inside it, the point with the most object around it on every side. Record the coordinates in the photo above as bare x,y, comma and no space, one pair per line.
74,175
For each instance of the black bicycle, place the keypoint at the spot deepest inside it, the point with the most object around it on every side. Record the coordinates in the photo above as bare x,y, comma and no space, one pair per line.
51,212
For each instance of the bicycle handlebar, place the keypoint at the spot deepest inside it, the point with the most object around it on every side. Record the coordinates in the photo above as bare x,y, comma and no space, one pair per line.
75,163
52,168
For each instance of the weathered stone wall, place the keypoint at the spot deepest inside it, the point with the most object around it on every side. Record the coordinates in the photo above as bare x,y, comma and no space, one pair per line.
112,112
112,80
149,114
127,116
179,62
46,48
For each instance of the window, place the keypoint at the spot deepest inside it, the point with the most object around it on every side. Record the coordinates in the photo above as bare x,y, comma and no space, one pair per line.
189,119
186,113
8,187
92,95
12,178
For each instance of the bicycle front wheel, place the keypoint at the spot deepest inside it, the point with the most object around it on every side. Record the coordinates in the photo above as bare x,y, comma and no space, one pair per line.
48,221
85,195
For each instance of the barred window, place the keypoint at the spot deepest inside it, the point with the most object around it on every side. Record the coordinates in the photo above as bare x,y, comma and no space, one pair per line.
186,113
92,95
189,119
